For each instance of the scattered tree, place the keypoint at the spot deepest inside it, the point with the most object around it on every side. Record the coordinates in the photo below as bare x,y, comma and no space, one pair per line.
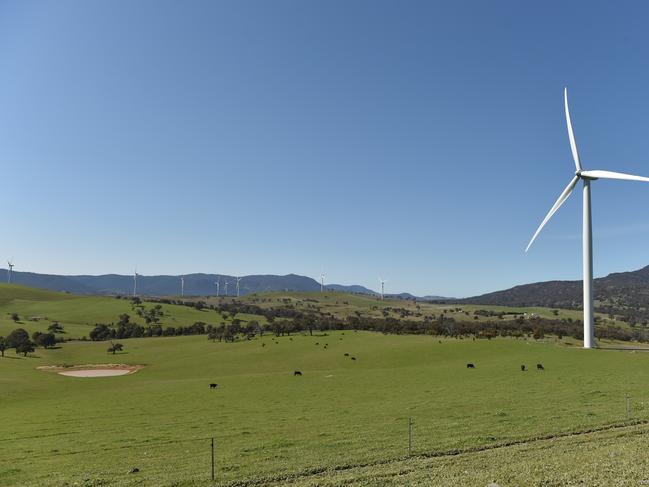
115,347
55,327
45,340
17,337
25,348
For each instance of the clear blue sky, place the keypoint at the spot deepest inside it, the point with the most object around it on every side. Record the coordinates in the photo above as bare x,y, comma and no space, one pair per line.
419,141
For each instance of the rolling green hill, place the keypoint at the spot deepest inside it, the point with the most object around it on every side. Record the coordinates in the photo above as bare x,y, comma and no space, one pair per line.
38,308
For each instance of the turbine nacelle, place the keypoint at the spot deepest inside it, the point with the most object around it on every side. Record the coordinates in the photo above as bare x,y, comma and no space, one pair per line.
580,173
584,175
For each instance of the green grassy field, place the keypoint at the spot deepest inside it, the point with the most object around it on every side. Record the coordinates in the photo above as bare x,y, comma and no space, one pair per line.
599,459
268,423
345,418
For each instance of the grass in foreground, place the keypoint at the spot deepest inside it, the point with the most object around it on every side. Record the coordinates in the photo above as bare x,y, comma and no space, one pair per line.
602,459
268,423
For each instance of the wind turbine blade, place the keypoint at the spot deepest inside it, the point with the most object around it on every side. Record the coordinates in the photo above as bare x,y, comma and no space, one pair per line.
613,175
562,198
571,135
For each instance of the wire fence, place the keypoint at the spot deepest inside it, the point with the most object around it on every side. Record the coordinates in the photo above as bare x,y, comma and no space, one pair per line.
225,458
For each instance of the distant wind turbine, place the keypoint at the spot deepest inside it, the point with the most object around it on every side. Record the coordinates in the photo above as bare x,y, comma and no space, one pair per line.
218,285
238,279
382,281
135,283
322,277
182,286
226,287
10,265
587,234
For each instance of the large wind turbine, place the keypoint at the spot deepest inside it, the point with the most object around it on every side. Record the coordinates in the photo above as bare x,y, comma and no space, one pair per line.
10,266
382,281
586,177
218,285
322,276
226,287
182,286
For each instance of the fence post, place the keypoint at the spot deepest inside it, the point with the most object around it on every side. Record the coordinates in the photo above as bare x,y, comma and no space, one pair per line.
212,459
628,406
409,436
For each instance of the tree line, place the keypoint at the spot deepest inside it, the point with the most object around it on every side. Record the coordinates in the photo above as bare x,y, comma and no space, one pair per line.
536,327
20,340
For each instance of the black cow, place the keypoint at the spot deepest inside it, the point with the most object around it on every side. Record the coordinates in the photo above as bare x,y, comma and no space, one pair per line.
346,355
297,372
523,369
353,358
213,386
539,367
470,366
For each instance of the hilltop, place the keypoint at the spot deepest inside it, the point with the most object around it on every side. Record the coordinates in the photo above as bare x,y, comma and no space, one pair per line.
622,293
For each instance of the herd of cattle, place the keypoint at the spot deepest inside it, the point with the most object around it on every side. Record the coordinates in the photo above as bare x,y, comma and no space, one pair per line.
326,345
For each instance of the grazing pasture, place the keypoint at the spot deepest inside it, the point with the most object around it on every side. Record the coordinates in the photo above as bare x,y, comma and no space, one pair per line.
267,424
37,308
342,305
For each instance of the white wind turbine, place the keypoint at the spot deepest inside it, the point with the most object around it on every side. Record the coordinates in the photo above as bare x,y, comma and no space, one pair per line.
182,286
10,266
218,285
135,282
382,281
226,287
322,277
238,279
586,177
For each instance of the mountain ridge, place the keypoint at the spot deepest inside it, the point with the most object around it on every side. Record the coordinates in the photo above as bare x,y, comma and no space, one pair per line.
616,291
196,284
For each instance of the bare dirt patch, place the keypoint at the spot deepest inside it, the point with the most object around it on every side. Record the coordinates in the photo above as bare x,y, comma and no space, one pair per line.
92,370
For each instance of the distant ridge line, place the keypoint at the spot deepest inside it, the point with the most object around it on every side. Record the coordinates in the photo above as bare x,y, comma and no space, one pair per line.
196,284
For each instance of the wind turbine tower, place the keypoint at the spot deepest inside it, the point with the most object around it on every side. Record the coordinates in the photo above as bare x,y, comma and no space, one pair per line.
10,266
135,283
382,281
322,276
586,177
182,286
218,285
238,279
226,287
